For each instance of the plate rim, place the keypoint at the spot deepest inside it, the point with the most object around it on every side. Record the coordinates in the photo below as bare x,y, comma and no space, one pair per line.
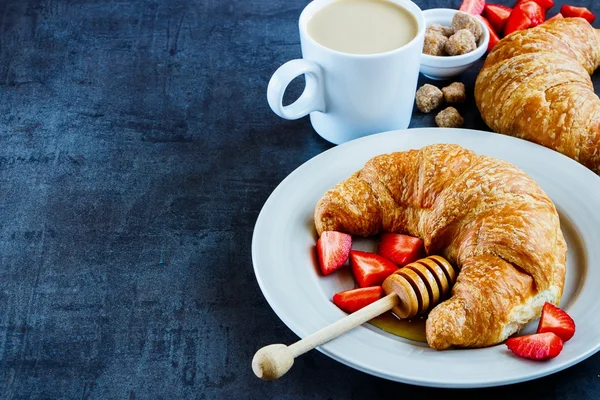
324,349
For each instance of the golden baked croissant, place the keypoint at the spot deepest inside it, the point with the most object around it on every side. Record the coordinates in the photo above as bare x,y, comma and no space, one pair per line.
484,215
536,85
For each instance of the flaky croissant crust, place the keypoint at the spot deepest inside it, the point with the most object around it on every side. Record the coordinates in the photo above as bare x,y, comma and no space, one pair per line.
484,215
536,85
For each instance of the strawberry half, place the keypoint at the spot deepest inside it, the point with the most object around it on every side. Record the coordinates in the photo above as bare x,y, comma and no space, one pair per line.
370,269
533,10
333,249
539,346
545,4
516,22
497,15
577,12
400,249
355,299
474,7
494,38
557,16
556,321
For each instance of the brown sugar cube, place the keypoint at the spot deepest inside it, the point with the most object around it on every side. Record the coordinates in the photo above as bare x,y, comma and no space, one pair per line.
462,42
455,93
465,21
429,98
440,29
449,118
435,44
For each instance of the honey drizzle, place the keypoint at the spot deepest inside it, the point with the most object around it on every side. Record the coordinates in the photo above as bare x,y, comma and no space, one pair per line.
413,329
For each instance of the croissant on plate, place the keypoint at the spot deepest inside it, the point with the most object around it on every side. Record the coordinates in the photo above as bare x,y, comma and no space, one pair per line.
484,215
536,85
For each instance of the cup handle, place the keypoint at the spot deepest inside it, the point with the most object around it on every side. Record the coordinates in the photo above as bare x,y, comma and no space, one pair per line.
312,98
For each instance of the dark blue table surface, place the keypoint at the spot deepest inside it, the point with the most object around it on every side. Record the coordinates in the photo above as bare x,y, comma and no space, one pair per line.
136,151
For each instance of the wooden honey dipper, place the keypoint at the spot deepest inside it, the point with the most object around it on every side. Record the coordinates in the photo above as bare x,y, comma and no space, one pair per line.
411,291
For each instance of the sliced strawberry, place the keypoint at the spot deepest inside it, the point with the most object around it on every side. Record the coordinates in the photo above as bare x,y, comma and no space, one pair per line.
474,7
355,299
497,15
539,346
533,10
556,321
370,269
577,12
545,4
494,38
516,22
557,16
400,249
333,249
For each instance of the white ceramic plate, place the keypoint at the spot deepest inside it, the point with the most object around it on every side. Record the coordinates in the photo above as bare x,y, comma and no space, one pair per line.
285,263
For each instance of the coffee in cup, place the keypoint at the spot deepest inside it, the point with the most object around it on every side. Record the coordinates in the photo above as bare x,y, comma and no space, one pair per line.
361,61
363,26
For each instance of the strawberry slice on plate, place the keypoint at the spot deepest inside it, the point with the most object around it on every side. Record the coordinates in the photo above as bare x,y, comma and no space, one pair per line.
556,321
539,346
333,250
370,269
355,299
400,249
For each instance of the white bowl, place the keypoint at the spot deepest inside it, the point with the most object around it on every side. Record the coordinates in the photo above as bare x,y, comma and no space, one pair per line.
444,67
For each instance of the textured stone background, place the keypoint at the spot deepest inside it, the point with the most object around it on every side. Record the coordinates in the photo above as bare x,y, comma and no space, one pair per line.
136,151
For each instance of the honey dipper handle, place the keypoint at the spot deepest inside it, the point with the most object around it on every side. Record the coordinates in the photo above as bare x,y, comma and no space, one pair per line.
344,325
273,361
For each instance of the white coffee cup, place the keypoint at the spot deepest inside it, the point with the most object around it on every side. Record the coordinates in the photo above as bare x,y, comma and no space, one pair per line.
351,95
